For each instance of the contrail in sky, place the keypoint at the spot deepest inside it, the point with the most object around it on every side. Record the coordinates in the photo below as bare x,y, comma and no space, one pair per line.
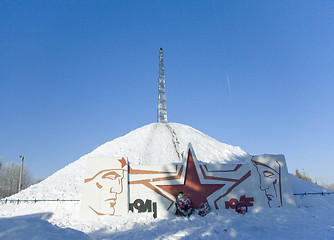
229,86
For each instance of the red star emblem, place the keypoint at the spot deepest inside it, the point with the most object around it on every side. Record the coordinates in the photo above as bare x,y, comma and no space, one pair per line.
192,185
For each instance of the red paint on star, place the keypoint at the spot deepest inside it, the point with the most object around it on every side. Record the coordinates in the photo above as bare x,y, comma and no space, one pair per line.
192,186
122,161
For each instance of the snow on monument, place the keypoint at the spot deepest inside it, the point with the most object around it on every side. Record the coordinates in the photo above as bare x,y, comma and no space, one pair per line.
178,159
144,170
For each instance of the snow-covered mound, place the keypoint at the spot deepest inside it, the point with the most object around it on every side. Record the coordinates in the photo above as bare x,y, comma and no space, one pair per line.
163,144
156,143
160,143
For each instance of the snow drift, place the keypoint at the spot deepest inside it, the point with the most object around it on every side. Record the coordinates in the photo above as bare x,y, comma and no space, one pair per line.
158,143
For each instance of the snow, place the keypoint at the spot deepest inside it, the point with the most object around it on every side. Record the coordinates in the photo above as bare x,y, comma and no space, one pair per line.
156,143
35,226
163,144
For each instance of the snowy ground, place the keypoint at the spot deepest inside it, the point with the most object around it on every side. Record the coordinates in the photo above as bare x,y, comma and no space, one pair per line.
313,219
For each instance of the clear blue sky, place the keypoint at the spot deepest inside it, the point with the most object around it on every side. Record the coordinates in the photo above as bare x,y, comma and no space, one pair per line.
255,74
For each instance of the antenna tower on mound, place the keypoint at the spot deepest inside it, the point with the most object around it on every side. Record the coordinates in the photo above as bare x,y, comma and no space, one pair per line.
162,108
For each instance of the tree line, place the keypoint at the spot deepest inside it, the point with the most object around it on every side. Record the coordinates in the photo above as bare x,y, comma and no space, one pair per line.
305,177
9,178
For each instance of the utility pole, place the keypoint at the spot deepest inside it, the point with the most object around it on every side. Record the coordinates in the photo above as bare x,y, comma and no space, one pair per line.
21,171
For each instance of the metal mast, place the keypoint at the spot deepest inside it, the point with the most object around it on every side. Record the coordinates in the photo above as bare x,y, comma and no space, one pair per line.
21,173
162,108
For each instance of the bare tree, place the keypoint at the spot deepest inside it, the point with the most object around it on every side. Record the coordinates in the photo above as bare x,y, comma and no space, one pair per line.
9,179
303,176
330,186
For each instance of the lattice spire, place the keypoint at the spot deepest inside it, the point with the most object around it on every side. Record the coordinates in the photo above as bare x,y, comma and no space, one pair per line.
162,108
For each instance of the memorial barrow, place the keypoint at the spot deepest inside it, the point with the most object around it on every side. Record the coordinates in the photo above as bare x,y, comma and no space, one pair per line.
114,186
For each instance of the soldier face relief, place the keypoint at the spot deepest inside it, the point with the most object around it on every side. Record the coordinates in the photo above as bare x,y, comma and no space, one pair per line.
107,184
270,182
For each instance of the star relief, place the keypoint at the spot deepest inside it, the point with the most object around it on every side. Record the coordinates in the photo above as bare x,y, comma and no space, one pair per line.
192,186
